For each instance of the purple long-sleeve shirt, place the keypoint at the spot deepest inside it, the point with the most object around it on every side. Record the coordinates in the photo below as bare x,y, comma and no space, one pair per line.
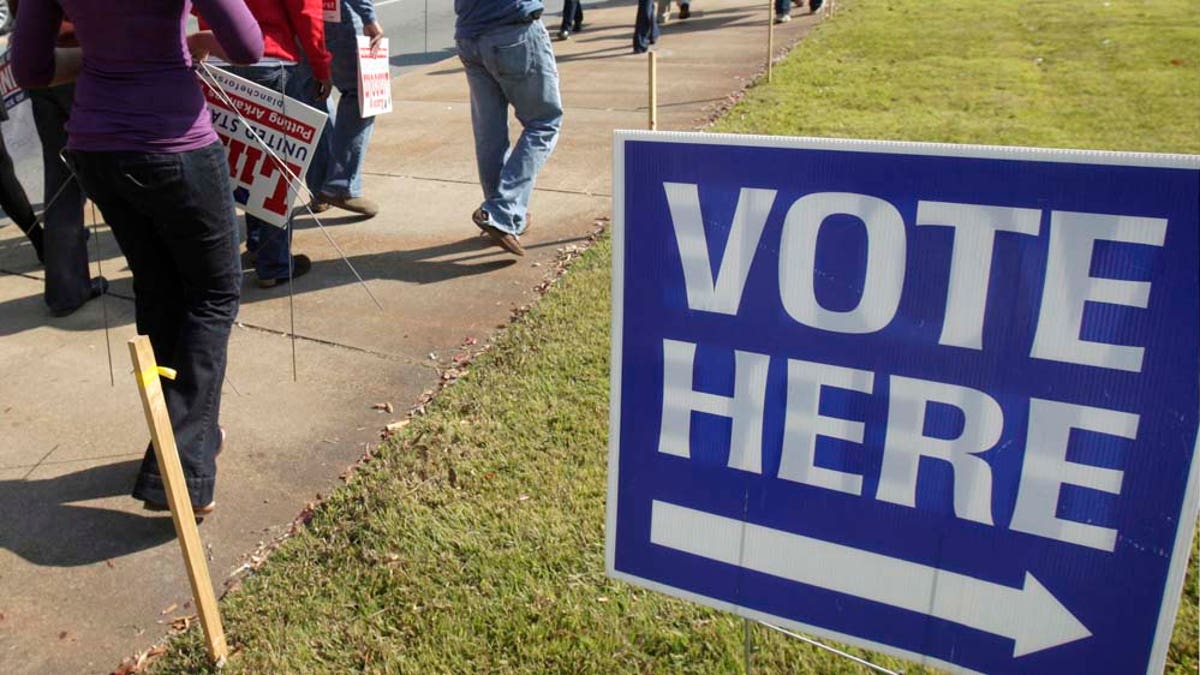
137,91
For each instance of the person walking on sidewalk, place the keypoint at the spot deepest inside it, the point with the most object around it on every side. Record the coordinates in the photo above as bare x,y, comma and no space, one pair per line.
159,175
69,283
13,199
572,18
645,27
664,11
335,175
506,52
292,29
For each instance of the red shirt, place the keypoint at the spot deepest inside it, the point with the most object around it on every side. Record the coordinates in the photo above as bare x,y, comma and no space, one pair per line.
289,26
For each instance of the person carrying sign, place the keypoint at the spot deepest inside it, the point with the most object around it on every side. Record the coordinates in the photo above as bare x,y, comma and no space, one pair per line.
292,30
509,61
69,283
335,176
159,176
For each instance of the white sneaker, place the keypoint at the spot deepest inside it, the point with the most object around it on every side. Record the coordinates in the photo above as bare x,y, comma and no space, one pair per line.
664,19
783,18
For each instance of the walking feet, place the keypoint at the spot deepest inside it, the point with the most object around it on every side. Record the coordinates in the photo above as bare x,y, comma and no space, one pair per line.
505,240
301,264
97,287
360,205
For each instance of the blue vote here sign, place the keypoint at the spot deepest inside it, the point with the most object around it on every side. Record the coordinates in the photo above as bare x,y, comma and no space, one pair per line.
939,401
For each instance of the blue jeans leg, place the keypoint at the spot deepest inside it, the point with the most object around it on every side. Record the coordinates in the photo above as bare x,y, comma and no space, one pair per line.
173,216
351,132
302,86
783,7
645,28
512,65
272,245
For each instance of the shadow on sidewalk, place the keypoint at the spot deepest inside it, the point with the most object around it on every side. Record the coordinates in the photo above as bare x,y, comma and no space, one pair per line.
42,524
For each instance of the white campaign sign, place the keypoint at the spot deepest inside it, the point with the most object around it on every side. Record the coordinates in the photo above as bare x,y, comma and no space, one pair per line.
374,78
20,135
288,127
332,10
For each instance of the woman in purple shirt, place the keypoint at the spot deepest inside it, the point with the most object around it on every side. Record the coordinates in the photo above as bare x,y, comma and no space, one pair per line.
142,145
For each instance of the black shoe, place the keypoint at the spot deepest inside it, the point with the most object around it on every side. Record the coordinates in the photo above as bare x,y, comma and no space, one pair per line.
97,287
685,11
577,27
564,34
301,264
814,6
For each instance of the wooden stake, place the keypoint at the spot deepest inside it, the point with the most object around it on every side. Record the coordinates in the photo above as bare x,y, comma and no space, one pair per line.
653,91
770,37
155,406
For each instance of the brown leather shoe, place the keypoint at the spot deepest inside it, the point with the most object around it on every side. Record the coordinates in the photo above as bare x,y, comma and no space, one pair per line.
198,511
505,240
360,205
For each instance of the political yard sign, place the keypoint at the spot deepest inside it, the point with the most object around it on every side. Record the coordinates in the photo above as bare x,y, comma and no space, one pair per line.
331,10
939,401
20,133
247,117
374,78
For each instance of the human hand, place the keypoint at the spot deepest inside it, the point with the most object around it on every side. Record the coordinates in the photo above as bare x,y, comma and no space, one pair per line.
374,31
200,45
324,89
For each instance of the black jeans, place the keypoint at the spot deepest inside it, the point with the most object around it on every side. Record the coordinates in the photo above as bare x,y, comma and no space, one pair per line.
572,15
645,29
68,280
173,216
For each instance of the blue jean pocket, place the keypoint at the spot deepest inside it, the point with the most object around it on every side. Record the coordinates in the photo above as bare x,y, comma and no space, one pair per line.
513,61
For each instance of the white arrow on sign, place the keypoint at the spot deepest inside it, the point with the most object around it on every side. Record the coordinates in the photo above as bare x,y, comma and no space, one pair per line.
1031,616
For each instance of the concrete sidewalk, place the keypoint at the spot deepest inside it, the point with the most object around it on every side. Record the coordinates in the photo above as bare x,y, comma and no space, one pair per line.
87,577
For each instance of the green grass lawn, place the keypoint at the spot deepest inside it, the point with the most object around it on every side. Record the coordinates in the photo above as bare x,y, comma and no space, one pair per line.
474,541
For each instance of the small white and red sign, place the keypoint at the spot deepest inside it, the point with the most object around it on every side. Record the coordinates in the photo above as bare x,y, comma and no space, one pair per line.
20,134
332,10
374,78
250,119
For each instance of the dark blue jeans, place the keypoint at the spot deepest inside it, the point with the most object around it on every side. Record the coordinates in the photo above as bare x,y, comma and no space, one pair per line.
572,17
272,245
645,29
173,216
783,7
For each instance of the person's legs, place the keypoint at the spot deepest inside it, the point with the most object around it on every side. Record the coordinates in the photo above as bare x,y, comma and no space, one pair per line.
68,281
172,215
645,28
570,7
578,18
15,202
783,10
685,9
351,131
489,118
271,245
302,87
664,11
527,73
